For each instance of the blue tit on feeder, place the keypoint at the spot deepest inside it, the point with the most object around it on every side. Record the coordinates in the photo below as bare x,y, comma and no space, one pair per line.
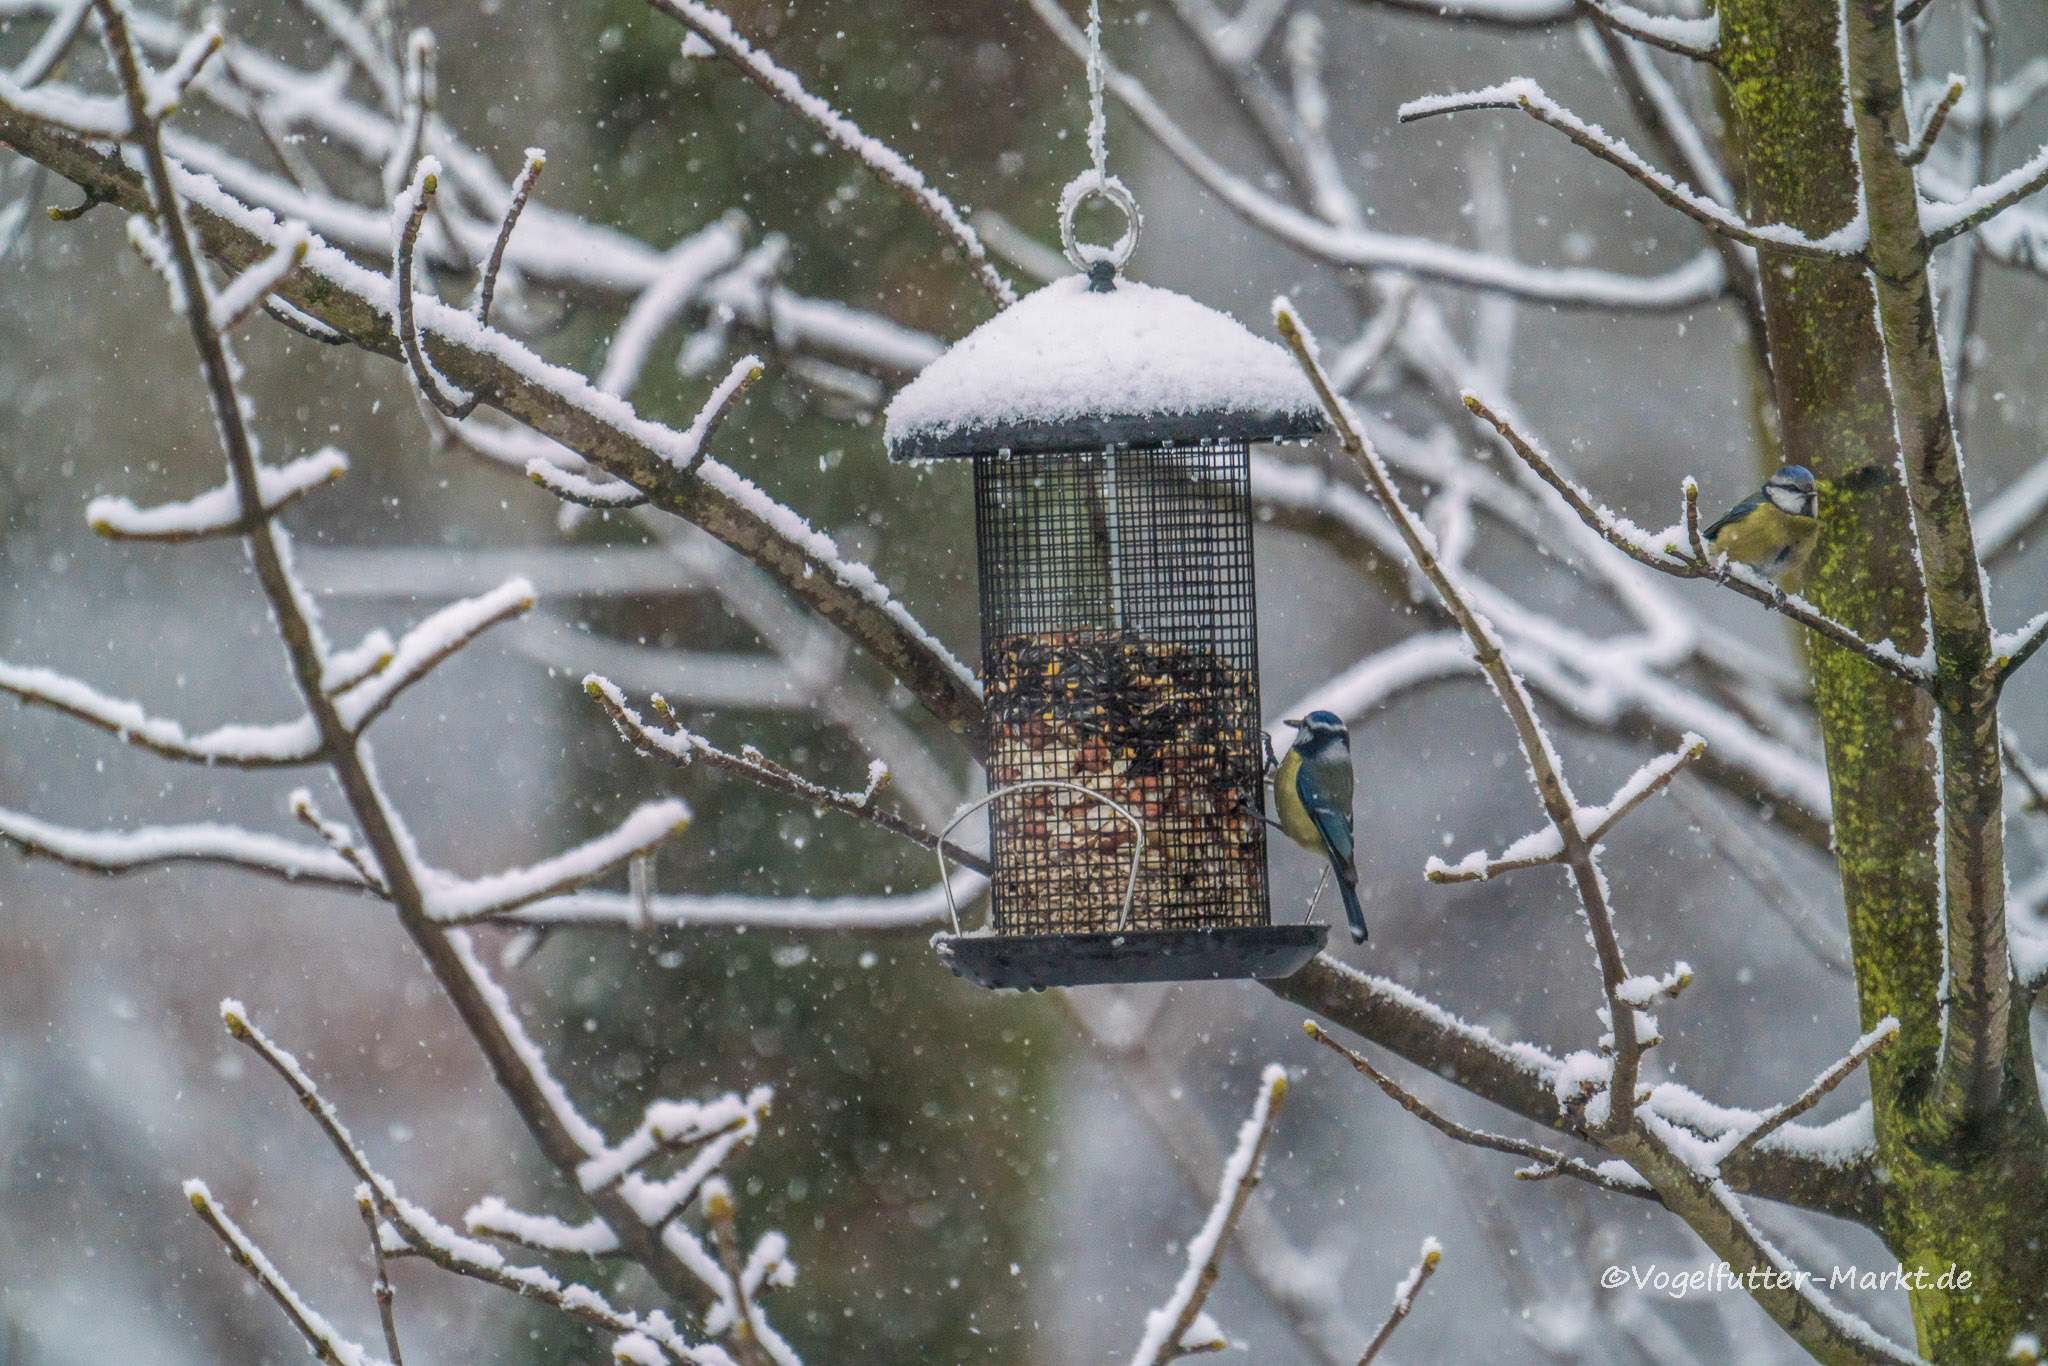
1312,793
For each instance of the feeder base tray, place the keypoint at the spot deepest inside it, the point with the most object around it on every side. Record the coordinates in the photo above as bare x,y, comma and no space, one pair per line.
1033,962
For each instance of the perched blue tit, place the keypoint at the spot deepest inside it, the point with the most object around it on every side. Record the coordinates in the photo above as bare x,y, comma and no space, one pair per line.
1773,529
1312,792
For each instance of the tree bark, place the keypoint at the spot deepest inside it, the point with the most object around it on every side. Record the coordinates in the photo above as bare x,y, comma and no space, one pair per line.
1973,1195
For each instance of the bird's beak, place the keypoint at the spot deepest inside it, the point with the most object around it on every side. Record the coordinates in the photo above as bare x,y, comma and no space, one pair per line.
1295,724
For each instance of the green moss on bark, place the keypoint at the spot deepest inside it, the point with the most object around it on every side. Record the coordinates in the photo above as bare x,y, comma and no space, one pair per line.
1978,1200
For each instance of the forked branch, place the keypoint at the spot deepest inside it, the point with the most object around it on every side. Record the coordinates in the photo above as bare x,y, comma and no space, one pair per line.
1697,562
1887,1030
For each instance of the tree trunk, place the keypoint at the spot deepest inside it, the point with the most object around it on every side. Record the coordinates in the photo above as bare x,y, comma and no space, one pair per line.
1977,1199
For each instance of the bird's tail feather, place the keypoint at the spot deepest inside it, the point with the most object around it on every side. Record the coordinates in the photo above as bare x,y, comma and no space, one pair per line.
1353,912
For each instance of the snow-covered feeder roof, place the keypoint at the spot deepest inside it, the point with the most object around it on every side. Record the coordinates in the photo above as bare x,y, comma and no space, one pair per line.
1072,368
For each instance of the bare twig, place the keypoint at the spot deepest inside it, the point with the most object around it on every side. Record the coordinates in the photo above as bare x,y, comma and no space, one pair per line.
521,188
453,404
1924,144
1887,1030
366,1203
681,748
1551,1161
1700,563
1404,1297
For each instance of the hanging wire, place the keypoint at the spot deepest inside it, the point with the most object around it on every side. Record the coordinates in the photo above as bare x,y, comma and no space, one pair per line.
1098,122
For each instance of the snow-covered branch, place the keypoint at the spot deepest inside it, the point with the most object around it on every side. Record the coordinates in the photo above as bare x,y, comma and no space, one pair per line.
456,901
1179,1327
326,1341
1689,285
681,748
1699,39
217,512
1885,1031
1846,243
423,648
1941,220
1549,1162
153,846
288,744
1594,822
1661,551
714,28
421,1234
1405,1295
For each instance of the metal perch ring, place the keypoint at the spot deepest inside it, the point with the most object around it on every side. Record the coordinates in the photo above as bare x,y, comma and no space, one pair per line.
1094,185
1130,888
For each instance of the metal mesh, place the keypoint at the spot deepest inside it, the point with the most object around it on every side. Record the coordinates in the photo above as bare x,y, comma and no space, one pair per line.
1120,652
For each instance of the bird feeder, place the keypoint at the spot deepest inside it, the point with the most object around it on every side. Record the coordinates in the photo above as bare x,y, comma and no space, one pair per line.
1109,424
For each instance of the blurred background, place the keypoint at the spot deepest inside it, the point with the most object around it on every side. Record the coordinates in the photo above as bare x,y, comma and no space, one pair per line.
963,1176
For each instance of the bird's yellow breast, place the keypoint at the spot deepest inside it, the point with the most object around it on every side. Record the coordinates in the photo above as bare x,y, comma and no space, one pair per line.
1294,818
1773,540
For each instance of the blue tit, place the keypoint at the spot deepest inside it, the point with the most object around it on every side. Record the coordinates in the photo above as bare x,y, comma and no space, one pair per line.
1773,529
1312,792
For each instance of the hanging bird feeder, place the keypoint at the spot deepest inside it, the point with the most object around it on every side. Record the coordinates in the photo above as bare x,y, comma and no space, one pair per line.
1109,424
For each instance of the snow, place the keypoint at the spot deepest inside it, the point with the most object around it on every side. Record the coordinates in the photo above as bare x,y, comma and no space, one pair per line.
91,115
1204,1245
1942,218
120,851
1404,1293
218,511
454,900
492,1217
427,644
289,742
1524,92
1068,353
244,295
2029,955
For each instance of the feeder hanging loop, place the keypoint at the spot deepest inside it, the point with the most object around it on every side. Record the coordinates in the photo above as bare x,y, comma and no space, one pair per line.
1100,264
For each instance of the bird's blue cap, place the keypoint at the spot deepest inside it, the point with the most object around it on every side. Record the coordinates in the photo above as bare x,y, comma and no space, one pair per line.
1798,476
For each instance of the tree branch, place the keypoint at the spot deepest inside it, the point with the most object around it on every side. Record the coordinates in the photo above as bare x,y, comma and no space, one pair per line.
1526,95
887,163
1924,144
1971,1071
1167,1327
1404,1297
1551,1161
1549,781
679,747
328,1345
1543,847
1699,563
1698,39
1886,1031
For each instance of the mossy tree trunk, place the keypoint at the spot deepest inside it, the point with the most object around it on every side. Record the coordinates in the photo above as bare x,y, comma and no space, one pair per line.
1965,1161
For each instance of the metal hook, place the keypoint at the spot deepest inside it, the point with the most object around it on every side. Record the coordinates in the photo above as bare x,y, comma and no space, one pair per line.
1131,887
1086,256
